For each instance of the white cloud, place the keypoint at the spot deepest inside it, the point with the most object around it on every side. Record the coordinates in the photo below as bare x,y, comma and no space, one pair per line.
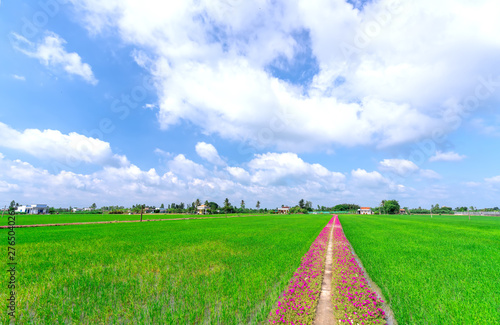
446,156
66,148
400,167
214,71
239,174
208,152
368,179
186,168
50,51
487,129
272,178
287,169
493,180
18,77
430,174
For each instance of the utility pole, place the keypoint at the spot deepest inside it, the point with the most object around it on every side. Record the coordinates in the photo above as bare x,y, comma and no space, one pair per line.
142,208
431,212
3,211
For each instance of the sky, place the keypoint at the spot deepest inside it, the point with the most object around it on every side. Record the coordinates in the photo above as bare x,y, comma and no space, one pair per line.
123,102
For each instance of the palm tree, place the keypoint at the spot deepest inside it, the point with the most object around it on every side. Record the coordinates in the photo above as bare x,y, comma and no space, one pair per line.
258,205
382,205
227,205
197,203
242,204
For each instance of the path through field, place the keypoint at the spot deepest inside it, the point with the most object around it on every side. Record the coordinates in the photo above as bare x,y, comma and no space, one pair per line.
324,312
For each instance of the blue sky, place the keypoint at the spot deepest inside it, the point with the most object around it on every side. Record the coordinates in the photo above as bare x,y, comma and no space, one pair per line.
119,102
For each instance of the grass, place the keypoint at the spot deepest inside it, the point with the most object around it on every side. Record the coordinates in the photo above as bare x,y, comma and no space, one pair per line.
440,270
30,219
214,271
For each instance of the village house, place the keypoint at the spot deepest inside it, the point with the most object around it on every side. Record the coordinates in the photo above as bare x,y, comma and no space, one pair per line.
364,210
284,210
33,209
203,209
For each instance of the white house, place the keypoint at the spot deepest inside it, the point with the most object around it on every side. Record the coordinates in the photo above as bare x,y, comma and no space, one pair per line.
33,209
364,210
284,210
203,209
77,209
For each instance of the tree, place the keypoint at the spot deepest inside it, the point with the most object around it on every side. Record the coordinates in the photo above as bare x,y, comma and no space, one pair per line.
197,203
382,204
258,205
227,205
142,210
391,206
242,204
93,206
302,204
12,204
207,203
162,206
213,207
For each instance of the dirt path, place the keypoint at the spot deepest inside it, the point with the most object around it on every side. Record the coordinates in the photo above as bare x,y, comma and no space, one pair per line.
324,311
114,221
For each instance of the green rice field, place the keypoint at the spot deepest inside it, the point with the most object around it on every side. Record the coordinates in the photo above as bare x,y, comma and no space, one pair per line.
440,270
30,219
210,271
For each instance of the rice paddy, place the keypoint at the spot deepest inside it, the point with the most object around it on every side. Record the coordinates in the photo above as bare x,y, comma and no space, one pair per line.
440,270
30,219
214,271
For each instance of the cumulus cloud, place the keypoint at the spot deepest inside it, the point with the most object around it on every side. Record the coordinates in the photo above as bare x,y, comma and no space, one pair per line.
269,178
368,179
50,51
446,156
208,152
288,169
65,148
400,167
383,75
493,180
429,174
486,128
18,77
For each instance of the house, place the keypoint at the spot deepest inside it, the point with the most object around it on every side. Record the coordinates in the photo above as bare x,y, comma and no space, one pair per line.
33,209
77,209
203,209
161,210
284,210
364,210
402,211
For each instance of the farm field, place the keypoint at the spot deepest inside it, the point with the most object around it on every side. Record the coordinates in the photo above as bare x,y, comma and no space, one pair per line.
440,270
224,271
30,219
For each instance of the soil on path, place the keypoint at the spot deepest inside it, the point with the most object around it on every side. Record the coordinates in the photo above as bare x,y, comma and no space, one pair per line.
324,311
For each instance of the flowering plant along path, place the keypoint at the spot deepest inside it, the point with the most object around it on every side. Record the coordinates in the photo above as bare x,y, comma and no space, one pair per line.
329,287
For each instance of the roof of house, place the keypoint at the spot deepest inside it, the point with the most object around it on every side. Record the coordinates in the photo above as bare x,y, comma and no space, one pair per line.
284,208
203,206
365,208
